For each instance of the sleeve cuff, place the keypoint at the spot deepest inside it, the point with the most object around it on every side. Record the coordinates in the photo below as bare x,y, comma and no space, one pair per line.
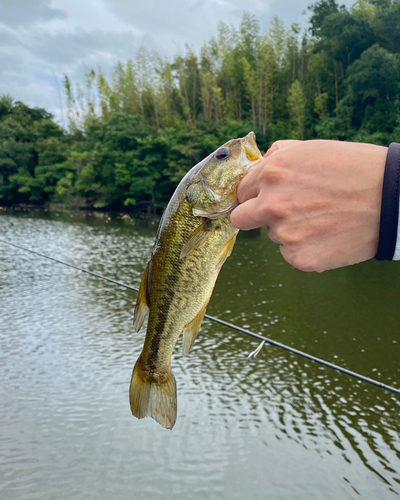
389,224
396,255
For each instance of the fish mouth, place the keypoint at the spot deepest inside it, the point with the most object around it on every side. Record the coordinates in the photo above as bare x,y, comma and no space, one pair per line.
251,155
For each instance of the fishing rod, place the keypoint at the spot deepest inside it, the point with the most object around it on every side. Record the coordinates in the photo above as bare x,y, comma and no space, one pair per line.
264,340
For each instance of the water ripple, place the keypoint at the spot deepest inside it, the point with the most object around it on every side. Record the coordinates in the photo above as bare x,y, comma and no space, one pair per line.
279,426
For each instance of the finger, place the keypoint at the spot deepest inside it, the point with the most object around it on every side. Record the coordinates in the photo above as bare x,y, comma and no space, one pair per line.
286,254
248,215
249,187
284,144
280,145
272,236
300,260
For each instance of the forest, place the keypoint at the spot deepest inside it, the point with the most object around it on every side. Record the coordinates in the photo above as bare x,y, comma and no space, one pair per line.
133,134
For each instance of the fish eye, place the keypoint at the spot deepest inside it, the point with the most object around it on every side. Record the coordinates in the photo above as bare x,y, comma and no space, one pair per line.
222,154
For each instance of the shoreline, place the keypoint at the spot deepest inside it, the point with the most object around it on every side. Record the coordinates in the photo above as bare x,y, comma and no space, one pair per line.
87,211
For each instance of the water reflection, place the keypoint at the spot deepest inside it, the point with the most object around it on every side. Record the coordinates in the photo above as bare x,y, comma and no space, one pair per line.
278,425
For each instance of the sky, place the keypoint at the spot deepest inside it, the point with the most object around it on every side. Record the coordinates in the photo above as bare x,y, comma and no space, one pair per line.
41,40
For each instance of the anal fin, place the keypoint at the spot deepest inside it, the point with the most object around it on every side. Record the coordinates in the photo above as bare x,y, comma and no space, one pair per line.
142,305
192,329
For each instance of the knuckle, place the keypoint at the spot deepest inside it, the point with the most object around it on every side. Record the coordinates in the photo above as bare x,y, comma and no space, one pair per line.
279,160
300,259
281,208
272,175
292,238
264,210
280,234
303,262
288,236
276,171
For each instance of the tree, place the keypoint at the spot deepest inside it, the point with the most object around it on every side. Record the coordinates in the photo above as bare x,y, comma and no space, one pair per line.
373,87
296,105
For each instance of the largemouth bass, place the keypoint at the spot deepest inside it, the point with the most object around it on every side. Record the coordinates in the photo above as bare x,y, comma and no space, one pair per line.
194,238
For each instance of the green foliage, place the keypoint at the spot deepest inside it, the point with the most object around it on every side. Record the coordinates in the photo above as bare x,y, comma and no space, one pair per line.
373,87
21,129
135,133
296,105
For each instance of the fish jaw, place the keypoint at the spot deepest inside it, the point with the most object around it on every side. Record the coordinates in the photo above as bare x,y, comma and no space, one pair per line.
251,155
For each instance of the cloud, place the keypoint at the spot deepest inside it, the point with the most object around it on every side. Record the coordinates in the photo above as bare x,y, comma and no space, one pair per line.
183,21
17,13
7,37
65,50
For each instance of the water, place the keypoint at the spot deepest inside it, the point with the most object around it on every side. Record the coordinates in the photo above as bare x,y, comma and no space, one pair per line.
277,428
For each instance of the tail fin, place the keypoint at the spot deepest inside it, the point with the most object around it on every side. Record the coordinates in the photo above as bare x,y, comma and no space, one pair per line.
156,399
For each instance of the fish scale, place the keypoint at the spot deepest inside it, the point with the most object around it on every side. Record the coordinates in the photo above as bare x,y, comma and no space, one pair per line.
177,308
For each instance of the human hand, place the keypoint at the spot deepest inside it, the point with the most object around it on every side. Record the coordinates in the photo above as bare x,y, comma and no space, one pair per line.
320,200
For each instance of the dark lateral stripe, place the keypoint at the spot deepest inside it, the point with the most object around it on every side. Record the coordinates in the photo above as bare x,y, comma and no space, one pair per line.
160,324
390,204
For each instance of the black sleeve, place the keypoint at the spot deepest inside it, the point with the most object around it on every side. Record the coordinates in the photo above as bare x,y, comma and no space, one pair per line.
390,204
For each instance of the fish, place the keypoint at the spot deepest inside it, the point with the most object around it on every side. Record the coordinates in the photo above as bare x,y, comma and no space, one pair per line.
194,238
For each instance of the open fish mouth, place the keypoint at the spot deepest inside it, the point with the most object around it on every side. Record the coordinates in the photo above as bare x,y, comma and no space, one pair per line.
251,155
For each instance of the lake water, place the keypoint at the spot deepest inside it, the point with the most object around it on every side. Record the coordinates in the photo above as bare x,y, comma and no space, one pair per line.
277,428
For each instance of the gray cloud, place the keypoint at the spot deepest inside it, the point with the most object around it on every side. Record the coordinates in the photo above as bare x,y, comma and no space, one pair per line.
7,38
26,12
179,22
68,49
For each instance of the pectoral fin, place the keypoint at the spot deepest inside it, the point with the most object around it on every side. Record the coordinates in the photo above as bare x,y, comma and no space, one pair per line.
192,329
142,305
197,238
225,252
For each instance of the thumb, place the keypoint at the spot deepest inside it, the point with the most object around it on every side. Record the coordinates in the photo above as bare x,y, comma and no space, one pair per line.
281,145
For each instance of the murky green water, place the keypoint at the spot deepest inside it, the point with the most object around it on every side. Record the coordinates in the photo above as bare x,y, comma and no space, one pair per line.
278,428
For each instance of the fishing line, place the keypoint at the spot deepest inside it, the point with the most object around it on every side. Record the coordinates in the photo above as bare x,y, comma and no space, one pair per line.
262,339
